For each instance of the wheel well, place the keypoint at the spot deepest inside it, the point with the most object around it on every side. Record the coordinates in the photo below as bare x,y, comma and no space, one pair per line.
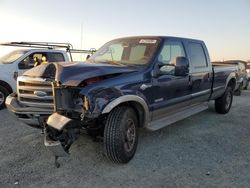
138,108
6,85
232,83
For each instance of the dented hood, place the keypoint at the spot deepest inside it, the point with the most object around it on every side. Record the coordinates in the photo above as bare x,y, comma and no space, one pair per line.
72,74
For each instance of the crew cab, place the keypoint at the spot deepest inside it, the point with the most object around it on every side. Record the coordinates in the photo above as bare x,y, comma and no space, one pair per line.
129,83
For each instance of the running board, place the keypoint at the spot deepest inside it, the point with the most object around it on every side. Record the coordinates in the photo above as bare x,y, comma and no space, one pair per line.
168,120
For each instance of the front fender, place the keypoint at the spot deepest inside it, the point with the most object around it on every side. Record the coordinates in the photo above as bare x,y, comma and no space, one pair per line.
129,98
104,100
99,98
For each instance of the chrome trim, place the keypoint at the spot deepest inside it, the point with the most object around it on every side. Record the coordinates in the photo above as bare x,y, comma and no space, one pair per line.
13,106
58,121
201,93
129,98
169,119
27,89
218,88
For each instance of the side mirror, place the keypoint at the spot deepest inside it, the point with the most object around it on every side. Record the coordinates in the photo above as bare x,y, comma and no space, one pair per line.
181,66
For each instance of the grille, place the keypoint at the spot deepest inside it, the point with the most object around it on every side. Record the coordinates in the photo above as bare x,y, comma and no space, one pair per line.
35,92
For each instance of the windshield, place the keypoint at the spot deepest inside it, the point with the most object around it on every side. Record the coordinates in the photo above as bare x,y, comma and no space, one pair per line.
126,52
11,57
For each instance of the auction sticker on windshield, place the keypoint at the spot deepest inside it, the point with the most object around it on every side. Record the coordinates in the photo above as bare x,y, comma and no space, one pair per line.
147,41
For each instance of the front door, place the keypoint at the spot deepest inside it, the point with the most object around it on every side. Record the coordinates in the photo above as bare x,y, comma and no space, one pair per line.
171,93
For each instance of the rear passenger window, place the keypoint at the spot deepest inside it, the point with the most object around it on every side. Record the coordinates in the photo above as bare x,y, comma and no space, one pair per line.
55,57
197,55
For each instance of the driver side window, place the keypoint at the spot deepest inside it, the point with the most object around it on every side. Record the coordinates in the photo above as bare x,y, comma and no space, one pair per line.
170,51
30,61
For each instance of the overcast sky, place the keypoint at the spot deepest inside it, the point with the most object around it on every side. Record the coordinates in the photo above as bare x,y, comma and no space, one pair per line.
223,24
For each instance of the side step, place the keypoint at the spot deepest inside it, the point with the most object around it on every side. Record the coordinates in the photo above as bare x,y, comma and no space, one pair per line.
168,120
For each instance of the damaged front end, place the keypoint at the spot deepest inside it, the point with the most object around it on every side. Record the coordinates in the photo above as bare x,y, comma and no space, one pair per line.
63,126
73,112
60,134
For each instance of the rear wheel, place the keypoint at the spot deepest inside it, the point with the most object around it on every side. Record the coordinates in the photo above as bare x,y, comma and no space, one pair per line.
224,103
121,135
3,94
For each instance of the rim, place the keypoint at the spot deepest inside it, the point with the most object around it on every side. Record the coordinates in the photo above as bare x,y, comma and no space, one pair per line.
129,136
1,98
228,100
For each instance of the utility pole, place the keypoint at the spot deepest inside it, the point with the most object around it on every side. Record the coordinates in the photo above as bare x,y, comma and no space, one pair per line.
81,38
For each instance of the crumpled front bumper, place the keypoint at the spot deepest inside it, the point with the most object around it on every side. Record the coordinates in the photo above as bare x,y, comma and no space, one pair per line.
32,116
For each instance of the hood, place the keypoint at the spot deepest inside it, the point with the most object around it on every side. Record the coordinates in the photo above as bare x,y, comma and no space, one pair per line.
72,74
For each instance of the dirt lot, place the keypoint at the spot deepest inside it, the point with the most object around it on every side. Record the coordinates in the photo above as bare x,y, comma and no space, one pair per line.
206,150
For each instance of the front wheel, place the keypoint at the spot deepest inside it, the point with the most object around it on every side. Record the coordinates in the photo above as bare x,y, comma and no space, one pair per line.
3,95
121,134
224,103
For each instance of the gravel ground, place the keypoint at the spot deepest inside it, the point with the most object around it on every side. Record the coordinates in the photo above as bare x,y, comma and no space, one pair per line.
205,150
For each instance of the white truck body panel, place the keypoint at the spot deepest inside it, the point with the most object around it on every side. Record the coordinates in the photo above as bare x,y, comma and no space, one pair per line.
7,71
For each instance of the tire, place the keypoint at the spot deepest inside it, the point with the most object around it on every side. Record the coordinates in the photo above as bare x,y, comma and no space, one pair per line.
3,94
121,135
224,103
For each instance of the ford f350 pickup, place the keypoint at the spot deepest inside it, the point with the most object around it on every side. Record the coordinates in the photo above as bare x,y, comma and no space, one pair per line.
129,83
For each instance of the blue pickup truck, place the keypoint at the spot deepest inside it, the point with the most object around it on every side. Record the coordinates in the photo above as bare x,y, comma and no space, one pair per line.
129,83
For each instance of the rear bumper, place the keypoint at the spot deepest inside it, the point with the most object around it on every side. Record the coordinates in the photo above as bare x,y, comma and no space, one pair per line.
32,116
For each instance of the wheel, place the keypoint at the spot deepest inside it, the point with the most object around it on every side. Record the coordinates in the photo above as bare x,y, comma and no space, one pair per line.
121,135
224,103
3,94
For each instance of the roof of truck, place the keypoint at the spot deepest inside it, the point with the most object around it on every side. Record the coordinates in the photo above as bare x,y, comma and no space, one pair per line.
160,37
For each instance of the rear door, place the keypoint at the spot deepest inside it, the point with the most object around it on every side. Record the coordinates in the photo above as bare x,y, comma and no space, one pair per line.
201,77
